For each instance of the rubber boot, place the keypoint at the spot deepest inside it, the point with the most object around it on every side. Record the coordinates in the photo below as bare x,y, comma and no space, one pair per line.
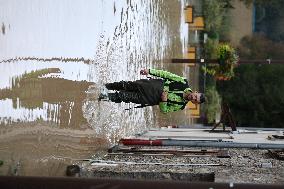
122,86
103,97
125,96
114,97
115,86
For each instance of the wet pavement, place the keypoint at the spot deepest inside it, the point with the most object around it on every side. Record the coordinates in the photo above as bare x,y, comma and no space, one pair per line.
55,58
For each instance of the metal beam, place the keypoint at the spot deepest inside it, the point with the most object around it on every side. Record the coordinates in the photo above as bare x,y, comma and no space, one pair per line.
196,143
13,182
215,61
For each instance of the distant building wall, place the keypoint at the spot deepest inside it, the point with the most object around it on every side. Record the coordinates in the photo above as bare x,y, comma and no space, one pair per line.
242,22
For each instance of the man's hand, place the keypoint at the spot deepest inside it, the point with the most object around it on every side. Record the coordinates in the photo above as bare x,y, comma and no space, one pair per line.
164,96
144,72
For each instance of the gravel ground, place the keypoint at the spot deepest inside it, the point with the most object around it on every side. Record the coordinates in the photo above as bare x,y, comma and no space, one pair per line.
244,166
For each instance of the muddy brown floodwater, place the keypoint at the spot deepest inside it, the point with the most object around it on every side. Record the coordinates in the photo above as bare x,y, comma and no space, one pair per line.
56,56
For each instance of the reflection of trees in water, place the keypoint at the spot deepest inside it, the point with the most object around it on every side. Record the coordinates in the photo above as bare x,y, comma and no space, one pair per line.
31,92
61,59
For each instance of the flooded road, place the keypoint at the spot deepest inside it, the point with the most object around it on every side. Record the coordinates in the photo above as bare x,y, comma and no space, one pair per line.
55,58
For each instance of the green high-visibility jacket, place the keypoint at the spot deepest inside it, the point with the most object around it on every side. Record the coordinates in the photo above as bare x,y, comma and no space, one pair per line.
175,86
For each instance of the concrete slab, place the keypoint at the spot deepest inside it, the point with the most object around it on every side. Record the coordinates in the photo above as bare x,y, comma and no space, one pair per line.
240,136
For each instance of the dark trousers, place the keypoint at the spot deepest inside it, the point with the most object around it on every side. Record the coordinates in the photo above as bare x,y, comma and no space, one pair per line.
123,86
127,91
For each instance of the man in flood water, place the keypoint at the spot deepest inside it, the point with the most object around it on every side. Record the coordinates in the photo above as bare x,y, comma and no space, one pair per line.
170,91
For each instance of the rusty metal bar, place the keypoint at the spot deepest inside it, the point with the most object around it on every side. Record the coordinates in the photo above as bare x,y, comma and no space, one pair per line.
124,150
192,143
159,150
120,150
